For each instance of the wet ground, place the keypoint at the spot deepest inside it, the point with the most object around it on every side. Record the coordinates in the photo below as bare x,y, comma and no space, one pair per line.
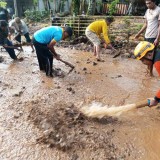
40,118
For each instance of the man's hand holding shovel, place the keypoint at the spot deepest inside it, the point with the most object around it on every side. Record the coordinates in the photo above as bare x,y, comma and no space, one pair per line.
112,48
57,56
109,46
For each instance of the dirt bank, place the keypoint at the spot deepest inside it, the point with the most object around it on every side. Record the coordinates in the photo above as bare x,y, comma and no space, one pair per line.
40,118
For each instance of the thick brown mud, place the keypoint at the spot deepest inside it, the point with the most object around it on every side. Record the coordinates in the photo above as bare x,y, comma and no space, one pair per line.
40,117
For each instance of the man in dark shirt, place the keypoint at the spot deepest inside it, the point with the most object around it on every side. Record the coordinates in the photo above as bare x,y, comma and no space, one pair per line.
4,15
4,41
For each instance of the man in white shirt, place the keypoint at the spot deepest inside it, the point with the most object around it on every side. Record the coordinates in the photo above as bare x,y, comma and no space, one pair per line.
20,29
152,23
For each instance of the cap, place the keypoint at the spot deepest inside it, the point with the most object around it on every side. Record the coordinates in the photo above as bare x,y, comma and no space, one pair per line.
68,30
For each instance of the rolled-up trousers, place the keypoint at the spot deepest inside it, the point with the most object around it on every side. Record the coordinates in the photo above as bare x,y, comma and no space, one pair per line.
44,56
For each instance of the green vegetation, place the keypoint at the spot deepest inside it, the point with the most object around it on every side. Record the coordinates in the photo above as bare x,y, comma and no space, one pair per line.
128,28
91,7
131,29
75,5
112,7
36,16
3,4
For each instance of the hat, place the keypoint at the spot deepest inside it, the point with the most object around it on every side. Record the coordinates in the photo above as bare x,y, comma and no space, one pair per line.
142,48
17,20
68,30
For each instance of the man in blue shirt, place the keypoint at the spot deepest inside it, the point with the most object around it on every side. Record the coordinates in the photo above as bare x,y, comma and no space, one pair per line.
44,41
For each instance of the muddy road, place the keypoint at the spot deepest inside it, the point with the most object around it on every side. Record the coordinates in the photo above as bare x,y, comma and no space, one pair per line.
40,118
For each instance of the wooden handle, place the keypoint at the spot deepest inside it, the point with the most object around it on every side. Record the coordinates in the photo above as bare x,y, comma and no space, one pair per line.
141,104
67,63
13,47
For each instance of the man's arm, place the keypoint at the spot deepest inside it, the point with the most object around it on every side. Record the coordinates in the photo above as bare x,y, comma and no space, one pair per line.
142,29
51,48
106,38
158,35
105,34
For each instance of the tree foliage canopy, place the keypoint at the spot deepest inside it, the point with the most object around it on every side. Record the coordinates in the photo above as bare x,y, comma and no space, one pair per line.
3,4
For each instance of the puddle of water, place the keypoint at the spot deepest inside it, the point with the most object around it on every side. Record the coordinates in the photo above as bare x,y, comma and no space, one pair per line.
3,66
151,141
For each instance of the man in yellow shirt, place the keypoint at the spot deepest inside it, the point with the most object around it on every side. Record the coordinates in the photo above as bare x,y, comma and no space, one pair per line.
94,31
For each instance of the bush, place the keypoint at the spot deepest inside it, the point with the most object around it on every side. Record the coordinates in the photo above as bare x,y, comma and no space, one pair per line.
112,7
3,4
36,16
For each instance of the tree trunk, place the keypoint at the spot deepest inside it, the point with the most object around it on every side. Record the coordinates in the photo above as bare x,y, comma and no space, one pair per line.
68,5
83,6
59,6
54,10
49,5
16,8
46,4
76,5
91,7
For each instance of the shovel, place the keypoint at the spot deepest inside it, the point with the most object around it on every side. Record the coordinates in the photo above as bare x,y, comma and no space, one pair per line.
13,47
68,64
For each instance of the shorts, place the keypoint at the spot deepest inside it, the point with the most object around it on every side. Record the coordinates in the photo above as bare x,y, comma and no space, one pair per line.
93,37
151,40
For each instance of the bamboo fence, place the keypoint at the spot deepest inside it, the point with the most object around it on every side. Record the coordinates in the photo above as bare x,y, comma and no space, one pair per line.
80,23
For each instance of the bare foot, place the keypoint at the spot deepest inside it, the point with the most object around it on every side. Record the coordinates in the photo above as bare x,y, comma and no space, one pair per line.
100,60
20,59
149,73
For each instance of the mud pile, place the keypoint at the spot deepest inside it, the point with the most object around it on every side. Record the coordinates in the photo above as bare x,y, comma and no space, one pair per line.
123,48
63,127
